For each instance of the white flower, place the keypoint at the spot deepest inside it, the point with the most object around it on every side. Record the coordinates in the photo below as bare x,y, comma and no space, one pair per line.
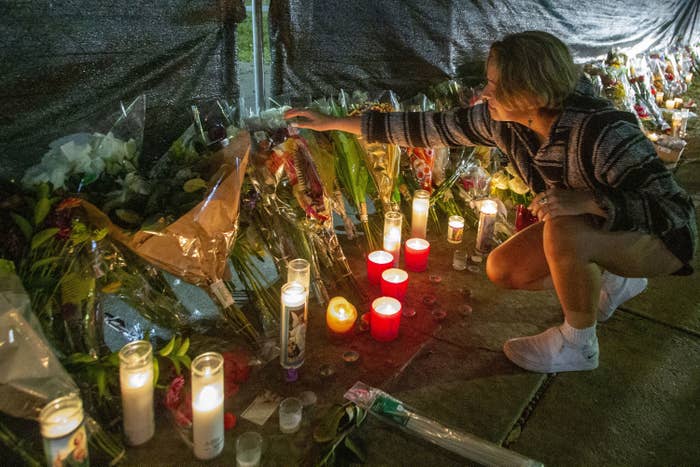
500,180
517,185
136,184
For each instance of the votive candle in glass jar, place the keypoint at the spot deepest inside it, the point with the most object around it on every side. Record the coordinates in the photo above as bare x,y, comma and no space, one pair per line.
670,104
659,97
416,251
487,225
377,262
392,234
419,213
385,318
208,405
455,229
63,430
136,382
394,283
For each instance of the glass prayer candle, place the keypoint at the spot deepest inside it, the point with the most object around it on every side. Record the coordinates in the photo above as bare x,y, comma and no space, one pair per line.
685,113
419,213
670,104
63,431
416,254
689,78
487,225
392,234
678,102
136,382
377,262
385,317
208,405
394,283
294,301
299,270
340,316
455,229
676,121
659,97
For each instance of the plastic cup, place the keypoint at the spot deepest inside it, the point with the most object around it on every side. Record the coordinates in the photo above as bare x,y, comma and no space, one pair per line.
290,415
248,449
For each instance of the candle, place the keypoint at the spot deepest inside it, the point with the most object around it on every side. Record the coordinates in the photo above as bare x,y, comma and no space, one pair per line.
653,137
299,270
416,254
377,262
678,102
689,78
392,234
394,283
294,301
676,121
419,214
670,104
385,317
208,405
659,97
487,224
136,382
685,113
63,431
455,229
340,315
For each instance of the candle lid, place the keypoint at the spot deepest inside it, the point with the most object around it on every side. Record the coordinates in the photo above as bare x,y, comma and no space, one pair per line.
291,375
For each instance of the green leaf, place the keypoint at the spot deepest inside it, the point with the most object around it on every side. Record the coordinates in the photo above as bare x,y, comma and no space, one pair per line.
156,371
176,364
327,430
23,225
101,377
183,348
42,237
355,449
113,359
185,359
41,210
44,261
165,351
80,358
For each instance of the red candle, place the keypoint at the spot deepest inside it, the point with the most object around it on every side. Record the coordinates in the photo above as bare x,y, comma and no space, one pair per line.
394,283
385,318
378,262
416,254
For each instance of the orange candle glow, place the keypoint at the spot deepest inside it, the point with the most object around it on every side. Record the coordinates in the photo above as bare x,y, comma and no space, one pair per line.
340,315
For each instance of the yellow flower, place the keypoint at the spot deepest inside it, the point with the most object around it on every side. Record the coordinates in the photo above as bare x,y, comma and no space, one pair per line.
517,185
500,180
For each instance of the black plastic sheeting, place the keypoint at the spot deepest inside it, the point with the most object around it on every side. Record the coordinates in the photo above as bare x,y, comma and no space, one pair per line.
66,65
319,47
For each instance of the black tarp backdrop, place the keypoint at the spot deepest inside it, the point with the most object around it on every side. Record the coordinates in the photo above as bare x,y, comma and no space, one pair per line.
319,47
67,64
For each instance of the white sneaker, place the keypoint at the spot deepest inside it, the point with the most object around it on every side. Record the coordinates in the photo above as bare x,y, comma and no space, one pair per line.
616,290
550,352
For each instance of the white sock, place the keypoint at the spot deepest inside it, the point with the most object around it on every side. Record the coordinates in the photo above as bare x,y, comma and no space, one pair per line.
578,337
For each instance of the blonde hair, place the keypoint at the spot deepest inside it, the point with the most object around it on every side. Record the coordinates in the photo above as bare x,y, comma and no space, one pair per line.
534,68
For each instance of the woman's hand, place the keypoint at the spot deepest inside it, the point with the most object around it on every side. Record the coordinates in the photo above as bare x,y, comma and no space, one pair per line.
556,202
304,118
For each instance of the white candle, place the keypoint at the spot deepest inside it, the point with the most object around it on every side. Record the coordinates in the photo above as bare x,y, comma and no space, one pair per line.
455,229
294,308
487,224
136,381
62,428
659,97
670,104
419,214
208,405
392,234
689,78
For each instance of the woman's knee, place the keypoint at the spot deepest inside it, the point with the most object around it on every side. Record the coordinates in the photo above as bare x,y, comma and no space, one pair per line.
499,269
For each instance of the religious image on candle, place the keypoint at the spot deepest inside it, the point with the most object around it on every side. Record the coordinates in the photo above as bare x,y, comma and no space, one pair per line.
487,226
136,383
63,432
294,298
455,229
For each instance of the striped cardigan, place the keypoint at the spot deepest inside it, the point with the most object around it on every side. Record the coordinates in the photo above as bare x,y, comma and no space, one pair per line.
592,147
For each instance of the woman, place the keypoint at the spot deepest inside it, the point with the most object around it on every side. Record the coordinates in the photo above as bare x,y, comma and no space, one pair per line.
612,214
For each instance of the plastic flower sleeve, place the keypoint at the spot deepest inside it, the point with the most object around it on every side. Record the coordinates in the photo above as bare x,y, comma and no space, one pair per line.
396,413
30,373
